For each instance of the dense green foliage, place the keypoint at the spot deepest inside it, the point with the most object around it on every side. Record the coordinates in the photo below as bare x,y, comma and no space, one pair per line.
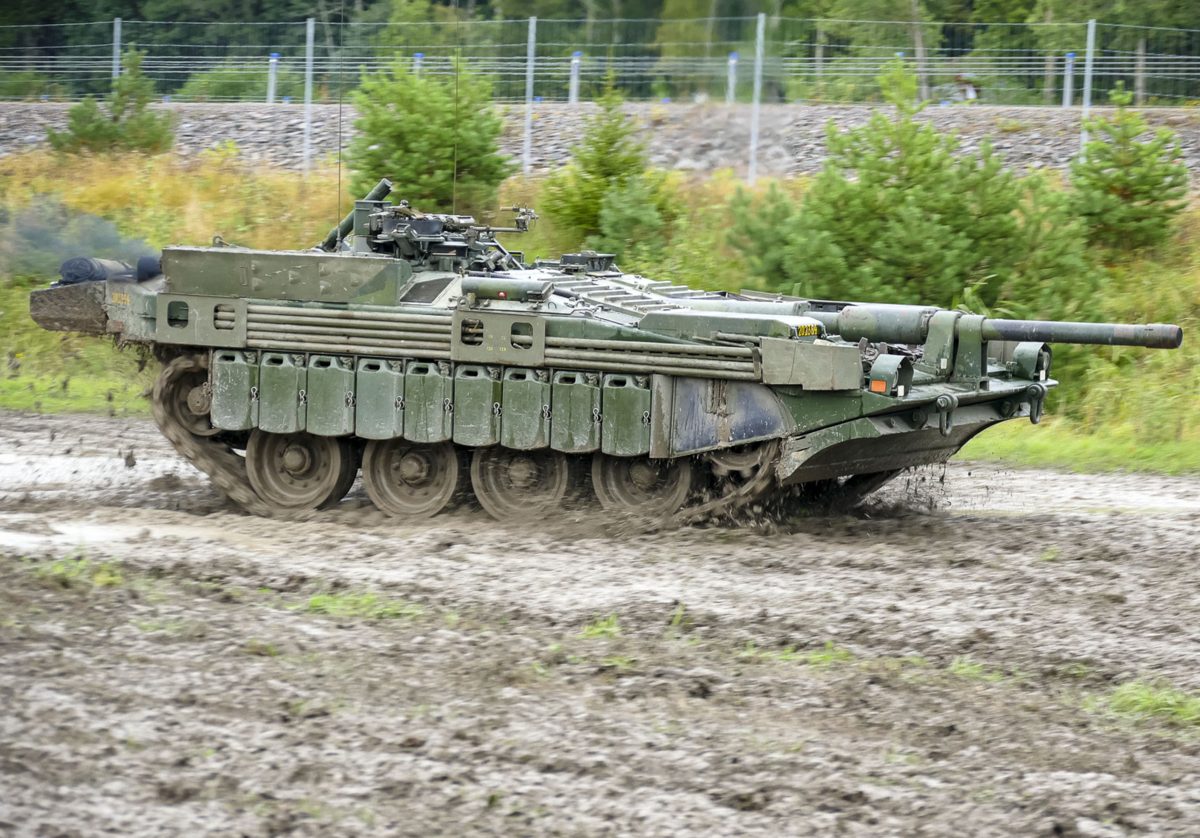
1129,192
123,124
232,82
433,136
896,215
607,156
667,28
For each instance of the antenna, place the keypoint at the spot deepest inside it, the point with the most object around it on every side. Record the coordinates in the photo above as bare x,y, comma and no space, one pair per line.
341,59
457,70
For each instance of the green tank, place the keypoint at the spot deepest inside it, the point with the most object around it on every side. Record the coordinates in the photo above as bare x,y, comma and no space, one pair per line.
416,349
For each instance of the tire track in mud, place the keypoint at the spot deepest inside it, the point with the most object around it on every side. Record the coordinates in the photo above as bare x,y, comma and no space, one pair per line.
978,613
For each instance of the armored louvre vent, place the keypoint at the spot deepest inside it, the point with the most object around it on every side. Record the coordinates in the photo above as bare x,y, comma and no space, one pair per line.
614,296
388,334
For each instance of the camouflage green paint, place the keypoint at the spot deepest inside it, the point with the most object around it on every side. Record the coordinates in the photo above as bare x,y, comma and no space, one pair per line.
575,402
478,404
331,399
235,390
379,388
527,409
428,401
283,395
625,401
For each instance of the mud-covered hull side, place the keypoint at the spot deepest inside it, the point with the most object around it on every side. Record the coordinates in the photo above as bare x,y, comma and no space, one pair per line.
875,444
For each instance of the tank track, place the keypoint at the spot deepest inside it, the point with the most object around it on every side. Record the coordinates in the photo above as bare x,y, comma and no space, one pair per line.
224,467
227,469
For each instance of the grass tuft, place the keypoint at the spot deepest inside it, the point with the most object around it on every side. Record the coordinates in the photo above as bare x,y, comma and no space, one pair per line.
601,627
79,572
365,605
1154,699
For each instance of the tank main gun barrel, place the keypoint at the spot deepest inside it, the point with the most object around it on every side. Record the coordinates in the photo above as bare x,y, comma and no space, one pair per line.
1151,336
381,191
910,325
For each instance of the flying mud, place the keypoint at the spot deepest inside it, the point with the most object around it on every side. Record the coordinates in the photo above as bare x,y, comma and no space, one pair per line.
940,663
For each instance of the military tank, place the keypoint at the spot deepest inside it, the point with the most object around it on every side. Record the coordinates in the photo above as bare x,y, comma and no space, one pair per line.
417,349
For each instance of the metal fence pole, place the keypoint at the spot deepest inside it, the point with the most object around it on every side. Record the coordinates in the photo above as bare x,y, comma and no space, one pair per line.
116,47
819,56
308,85
418,60
1087,86
1069,81
573,88
272,69
530,58
759,40
731,80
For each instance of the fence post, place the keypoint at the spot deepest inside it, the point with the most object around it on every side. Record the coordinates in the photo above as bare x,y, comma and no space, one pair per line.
759,40
1087,86
820,57
1069,80
116,47
308,85
731,80
1048,86
1139,73
919,49
272,69
530,58
573,88
418,60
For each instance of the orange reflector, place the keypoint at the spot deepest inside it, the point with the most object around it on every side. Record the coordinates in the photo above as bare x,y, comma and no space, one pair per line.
879,387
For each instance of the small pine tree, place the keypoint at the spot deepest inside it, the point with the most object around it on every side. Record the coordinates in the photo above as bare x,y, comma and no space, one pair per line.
897,216
609,154
438,147
1128,192
629,220
128,125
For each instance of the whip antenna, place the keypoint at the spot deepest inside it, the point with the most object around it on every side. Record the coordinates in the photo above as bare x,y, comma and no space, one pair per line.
457,70
340,65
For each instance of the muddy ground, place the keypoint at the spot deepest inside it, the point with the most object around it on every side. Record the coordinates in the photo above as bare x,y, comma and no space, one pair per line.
187,681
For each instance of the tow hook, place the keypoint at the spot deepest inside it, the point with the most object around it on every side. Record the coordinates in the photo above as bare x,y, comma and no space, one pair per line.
1037,401
946,405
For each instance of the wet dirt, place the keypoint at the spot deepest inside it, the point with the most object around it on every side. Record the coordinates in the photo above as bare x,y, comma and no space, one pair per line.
976,615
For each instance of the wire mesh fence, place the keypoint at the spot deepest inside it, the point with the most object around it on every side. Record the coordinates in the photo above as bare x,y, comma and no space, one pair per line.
803,60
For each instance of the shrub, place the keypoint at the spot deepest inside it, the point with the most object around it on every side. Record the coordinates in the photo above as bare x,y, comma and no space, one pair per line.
607,156
1128,192
238,81
412,131
896,217
126,126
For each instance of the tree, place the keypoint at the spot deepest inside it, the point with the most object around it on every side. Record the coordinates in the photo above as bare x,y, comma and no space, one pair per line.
1128,192
608,155
433,137
896,216
126,126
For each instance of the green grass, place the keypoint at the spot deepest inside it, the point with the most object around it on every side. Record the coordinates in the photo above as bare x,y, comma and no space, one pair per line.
79,572
364,605
817,658
1058,445
964,667
603,627
1153,700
